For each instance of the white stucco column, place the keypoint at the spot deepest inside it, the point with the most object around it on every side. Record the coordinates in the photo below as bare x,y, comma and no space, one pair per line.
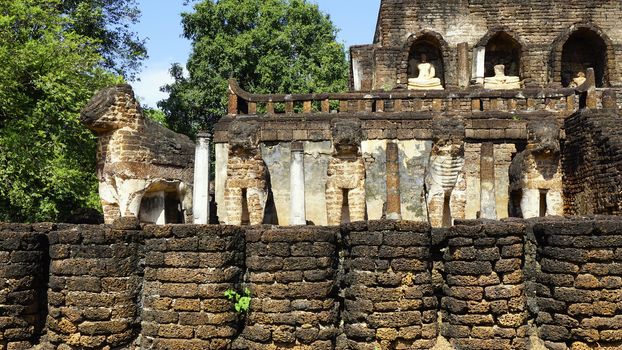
200,196
297,185
478,67
488,206
530,203
153,208
161,208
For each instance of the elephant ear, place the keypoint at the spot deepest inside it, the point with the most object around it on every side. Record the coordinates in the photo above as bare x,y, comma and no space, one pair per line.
543,135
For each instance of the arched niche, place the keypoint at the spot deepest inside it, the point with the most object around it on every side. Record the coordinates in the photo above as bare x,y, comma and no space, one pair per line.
430,48
503,49
433,46
584,49
581,45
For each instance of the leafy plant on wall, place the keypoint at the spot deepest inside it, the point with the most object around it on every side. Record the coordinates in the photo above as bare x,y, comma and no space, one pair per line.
241,302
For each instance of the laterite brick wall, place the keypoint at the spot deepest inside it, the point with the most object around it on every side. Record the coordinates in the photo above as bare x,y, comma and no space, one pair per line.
592,162
389,297
579,286
484,304
187,271
517,284
23,278
94,286
292,273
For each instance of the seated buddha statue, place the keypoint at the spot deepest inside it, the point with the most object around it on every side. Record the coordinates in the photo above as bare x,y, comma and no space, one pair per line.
427,79
501,81
578,80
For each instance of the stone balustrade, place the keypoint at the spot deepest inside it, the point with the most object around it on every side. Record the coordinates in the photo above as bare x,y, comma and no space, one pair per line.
406,103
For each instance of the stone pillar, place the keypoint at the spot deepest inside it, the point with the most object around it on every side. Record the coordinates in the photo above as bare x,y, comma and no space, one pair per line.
530,203
297,185
590,83
394,210
200,205
487,182
464,76
220,179
503,158
472,153
479,57
161,209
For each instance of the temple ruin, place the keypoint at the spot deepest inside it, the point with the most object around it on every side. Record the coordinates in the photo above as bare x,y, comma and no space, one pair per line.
462,108
465,194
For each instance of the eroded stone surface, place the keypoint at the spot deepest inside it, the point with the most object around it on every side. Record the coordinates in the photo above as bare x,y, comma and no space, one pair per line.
246,187
346,175
536,173
136,157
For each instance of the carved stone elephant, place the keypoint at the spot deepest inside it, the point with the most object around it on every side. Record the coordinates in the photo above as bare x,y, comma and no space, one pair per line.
536,174
144,169
247,185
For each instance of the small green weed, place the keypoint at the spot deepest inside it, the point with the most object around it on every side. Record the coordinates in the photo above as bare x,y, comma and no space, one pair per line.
242,303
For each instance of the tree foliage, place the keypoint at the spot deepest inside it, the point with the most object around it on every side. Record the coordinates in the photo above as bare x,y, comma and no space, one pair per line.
49,71
108,22
269,46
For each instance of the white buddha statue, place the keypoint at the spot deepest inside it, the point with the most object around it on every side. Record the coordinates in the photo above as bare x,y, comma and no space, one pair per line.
501,81
578,80
427,79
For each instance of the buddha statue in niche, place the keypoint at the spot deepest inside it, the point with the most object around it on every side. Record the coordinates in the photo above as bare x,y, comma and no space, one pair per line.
427,79
578,80
501,81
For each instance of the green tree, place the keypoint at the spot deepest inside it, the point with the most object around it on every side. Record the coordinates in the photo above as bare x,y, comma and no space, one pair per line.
269,46
48,73
108,22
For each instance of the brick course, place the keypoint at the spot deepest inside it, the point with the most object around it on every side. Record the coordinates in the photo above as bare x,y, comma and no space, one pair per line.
389,297
187,271
496,285
94,285
592,161
541,27
23,278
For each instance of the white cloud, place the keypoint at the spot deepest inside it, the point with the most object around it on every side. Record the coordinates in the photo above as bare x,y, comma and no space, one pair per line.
148,88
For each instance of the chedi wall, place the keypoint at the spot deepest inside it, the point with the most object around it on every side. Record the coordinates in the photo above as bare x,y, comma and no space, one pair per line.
539,284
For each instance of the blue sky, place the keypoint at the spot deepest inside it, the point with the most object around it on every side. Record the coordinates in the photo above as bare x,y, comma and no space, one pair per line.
161,25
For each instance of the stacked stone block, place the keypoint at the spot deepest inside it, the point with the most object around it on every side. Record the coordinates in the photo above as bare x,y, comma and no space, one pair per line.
188,269
292,274
579,287
592,161
484,302
345,176
22,285
541,28
246,175
94,285
389,297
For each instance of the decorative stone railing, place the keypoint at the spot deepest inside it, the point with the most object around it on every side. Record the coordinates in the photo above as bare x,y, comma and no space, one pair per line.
562,101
